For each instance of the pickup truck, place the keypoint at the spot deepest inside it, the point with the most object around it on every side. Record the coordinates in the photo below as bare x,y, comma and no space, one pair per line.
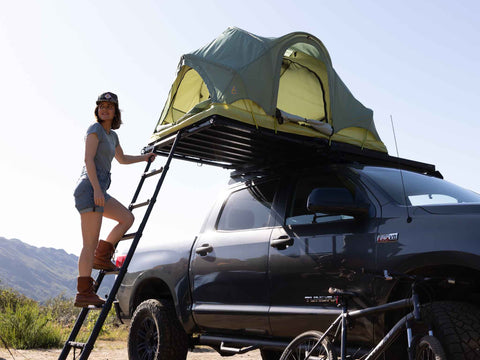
278,240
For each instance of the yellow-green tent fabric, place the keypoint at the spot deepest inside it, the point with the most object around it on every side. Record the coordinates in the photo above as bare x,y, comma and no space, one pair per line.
286,84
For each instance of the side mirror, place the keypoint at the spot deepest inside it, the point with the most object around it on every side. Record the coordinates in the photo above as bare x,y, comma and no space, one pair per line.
335,201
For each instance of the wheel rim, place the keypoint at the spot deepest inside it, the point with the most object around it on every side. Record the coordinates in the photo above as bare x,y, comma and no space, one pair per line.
301,351
147,343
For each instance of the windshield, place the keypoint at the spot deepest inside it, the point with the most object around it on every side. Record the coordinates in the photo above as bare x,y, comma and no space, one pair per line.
419,189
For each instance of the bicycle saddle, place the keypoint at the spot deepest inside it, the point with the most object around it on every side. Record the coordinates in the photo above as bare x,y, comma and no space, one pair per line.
340,292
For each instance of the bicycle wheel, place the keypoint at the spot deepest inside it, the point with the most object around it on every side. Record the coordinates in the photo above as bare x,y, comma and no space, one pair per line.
303,348
429,348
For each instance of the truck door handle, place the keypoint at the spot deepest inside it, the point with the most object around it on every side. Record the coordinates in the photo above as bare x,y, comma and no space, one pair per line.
282,242
204,249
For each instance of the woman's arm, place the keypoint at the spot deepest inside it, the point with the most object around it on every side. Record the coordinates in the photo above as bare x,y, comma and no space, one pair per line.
130,159
91,145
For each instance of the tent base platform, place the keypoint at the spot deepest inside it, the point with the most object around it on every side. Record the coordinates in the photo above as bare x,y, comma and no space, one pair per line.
227,143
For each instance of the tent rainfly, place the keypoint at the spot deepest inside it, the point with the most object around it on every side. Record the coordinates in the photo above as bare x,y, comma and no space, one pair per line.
285,84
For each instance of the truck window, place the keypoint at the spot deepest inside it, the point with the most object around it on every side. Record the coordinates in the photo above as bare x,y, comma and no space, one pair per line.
418,189
248,208
297,213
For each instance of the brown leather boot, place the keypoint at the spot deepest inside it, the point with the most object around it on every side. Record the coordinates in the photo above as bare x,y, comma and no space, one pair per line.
86,293
103,256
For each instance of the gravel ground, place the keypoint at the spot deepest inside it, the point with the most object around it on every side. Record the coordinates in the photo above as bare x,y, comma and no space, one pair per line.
114,350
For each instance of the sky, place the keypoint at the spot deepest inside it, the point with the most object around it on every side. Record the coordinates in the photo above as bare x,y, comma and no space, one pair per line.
415,62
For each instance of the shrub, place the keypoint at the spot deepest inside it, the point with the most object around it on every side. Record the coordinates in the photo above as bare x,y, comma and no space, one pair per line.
62,310
65,314
26,327
25,324
12,298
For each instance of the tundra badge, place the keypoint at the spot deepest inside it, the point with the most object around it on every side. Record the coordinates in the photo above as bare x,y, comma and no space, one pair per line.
387,238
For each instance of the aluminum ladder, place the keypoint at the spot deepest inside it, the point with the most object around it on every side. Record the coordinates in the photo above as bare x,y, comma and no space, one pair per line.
86,348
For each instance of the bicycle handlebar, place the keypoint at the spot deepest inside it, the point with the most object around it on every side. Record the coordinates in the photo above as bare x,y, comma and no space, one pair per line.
388,276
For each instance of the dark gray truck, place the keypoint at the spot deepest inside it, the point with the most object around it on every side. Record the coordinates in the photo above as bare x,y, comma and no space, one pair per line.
287,231
252,274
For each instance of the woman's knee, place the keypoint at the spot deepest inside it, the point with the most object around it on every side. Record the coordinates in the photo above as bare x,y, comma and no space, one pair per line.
127,219
116,211
130,219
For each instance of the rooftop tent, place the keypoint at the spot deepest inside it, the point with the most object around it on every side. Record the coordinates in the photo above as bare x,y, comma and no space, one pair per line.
285,84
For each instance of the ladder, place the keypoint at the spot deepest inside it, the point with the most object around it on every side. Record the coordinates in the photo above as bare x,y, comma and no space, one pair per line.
87,347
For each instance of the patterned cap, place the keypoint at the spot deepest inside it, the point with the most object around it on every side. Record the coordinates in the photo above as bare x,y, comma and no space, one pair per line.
108,97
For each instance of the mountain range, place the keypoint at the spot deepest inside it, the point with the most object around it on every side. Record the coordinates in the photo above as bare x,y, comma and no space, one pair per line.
40,273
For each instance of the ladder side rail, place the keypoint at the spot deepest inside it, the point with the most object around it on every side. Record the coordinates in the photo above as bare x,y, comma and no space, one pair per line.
73,335
111,297
140,184
79,322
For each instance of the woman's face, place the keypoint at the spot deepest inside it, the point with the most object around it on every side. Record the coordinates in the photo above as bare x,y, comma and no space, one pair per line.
106,111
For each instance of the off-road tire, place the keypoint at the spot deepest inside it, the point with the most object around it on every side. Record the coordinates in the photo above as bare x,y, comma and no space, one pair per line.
429,348
155,333
305,342
457,326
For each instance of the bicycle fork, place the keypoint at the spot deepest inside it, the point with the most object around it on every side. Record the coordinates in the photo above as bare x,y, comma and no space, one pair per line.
417,316
343,343
409,323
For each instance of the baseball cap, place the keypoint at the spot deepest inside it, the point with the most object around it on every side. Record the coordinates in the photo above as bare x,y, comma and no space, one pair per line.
108,97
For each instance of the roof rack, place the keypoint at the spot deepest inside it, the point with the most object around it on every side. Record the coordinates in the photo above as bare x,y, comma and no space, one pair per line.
227,143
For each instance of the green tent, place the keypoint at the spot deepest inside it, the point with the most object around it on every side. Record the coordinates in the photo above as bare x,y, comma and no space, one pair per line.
285,84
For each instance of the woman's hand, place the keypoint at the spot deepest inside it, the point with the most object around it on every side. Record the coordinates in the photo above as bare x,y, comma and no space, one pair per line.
98,197
150,157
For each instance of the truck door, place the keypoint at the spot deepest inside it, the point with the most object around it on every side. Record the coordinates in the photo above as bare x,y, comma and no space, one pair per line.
229,264
311,252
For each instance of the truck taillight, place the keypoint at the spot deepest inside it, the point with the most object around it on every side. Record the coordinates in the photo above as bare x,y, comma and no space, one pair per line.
120,260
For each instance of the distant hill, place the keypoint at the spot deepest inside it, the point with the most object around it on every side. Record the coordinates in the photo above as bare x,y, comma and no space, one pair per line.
40,273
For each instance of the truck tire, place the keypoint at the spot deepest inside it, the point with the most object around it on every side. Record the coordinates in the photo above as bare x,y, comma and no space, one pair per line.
155,333
457,326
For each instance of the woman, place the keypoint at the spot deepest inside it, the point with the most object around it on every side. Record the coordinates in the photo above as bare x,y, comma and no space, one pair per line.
93,202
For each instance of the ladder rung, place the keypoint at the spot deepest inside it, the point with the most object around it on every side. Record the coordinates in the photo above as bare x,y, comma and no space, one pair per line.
128,236
110,272
134,206
93,307
76,345
153,172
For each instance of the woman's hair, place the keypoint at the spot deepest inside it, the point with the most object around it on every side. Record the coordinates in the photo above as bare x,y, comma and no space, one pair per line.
117,119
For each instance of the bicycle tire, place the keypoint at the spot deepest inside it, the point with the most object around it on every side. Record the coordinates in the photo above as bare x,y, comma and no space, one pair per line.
304,343
429,348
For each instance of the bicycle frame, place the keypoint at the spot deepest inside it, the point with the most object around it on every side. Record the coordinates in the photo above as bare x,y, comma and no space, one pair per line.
388,338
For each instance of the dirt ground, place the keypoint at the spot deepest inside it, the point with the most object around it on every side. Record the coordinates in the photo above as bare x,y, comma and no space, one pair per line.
114,350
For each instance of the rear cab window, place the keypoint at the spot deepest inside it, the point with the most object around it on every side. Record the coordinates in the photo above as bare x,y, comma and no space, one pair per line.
248,208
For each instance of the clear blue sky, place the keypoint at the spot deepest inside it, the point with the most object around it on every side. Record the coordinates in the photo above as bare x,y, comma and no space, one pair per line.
415,60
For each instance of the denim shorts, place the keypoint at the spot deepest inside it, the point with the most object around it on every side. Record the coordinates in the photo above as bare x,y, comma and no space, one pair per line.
84,201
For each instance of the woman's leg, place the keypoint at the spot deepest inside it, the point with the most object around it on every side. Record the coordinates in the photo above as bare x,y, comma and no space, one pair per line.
105,249
91,223
116,211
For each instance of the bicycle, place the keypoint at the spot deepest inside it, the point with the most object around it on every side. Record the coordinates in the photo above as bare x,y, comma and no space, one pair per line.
314,345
